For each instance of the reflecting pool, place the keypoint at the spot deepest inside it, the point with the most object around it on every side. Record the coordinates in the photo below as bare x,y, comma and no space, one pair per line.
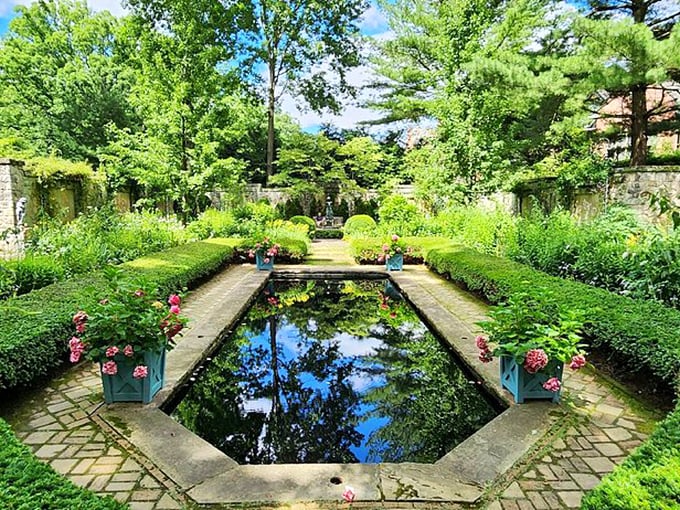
333,371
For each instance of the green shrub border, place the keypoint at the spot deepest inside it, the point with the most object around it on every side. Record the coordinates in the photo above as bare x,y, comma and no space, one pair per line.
35,327
328,233
644,333
640,334
27,483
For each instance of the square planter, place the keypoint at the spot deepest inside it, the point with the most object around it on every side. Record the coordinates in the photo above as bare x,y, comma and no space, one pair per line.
262,265
524,385
122,387
395,262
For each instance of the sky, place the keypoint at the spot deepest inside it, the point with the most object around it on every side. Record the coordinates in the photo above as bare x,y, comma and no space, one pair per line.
373,24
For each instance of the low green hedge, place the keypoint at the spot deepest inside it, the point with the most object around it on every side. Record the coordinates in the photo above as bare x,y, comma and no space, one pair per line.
360,224
329,233
639,334
28,484
366,250
35,327
649,479
305,220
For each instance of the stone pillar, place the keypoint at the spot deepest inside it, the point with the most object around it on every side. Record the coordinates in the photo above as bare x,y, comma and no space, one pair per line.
11,190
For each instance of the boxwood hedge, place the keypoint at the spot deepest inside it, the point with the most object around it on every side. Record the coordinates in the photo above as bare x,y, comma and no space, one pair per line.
640,334
649,479
34,327
27,484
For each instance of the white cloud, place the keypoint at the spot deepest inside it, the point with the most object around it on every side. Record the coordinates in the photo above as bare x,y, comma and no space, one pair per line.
113,6
373,21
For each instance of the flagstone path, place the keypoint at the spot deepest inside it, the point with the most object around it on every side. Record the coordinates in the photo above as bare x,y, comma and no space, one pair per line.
596,431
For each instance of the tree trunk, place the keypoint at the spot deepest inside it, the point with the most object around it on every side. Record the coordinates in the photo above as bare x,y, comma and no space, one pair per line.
638,126
270,121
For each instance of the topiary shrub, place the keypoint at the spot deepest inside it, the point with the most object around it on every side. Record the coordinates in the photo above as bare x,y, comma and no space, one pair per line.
305,220
360,224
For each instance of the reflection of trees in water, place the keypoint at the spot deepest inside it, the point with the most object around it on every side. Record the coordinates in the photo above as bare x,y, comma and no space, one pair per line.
430,403
268,398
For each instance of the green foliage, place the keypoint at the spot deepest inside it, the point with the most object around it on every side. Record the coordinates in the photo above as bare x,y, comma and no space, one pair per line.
102,237
51,168
369,250
305,220
27,483
641,335
42,318
359,224
329,233
649,479
31,272
214,223
527,321
398,215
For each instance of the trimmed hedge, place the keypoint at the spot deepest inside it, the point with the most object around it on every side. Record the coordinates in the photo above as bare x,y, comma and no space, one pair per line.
641,334
366,250
305,220
329,233
360,224
34,328
27,484
649,479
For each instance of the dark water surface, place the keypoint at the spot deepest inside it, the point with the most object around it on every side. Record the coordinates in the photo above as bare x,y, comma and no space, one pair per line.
333,371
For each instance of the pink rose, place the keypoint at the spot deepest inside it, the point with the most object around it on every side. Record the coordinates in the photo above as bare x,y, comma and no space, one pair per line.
112,351
577,361
349,494
175,309
77,348
140,372
75,356
174,300
395,238
110,368
481,343
128,351
552,384
535,360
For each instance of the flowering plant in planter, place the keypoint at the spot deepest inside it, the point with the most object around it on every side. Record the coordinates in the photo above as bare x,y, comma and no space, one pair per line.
128,321
266,250
533,330
395,247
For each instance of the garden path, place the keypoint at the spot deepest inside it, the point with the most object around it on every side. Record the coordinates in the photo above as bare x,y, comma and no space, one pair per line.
60,425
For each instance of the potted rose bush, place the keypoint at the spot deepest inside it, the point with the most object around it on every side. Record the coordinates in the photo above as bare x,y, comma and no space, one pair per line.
128,333
264,253
533,337
392,254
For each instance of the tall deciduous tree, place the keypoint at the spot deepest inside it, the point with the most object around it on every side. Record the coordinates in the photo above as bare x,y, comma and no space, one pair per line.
61,80
294,44
631,48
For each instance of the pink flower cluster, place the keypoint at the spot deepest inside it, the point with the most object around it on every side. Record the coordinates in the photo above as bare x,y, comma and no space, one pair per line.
77,348
348,495
552,384
140,372
535,360
485,355
577,361
174,301
110,368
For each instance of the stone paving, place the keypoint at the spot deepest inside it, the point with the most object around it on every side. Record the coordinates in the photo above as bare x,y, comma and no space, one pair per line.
58,422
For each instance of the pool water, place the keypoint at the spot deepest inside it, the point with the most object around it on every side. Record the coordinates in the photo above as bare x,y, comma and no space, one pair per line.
333,371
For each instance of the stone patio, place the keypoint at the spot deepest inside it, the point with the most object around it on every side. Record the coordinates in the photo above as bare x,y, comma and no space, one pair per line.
578,442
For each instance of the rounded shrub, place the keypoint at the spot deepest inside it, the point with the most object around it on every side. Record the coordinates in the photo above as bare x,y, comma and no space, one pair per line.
305,220
360,224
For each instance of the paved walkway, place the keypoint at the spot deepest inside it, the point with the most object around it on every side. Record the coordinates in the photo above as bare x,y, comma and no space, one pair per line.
596,430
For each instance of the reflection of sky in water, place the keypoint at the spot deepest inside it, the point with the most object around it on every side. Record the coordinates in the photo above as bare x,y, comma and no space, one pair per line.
382,374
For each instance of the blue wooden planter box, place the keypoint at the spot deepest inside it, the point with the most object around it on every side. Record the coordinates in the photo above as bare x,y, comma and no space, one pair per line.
395,262
524,385
259,261
122,387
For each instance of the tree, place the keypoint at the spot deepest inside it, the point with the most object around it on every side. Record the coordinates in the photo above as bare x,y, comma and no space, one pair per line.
632,47
298,42
61,78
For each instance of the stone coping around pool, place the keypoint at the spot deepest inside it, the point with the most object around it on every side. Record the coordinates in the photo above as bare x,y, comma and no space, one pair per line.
209,477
